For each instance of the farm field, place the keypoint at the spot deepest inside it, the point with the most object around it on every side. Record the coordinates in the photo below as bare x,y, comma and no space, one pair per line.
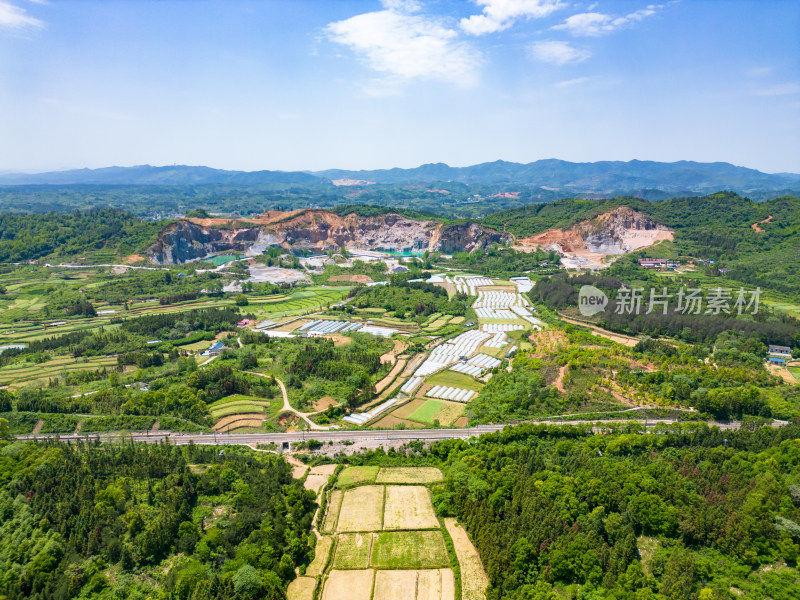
238,404
352,476
321,552
349,585
405,557
441,411
409,475
409,549
302,588
409,507
473,575
353,550
362,509
19,375
332,513
455,379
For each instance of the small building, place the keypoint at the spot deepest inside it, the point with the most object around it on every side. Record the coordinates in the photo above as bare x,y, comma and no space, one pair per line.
659,263
265,324
400,269
153,342
776,360
724,271
780,350
243,323
214,349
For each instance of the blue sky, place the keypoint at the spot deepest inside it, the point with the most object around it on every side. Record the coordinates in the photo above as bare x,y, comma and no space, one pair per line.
314,84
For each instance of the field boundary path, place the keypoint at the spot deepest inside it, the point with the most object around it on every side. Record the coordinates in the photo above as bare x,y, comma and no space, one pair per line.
625,340
288,407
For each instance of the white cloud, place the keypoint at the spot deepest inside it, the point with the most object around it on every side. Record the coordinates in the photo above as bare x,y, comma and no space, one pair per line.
405,47
780,89
558,53
594,23
759,71
572,82
402,5
501,14
14,17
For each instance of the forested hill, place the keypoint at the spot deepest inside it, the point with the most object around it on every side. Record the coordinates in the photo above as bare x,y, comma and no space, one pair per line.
104,233
570,177
719,227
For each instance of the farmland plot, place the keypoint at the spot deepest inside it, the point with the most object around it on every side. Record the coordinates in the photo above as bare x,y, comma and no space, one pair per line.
302,588
473,575
409,507
395,585
321,552
409,475
353,550
349,585
362,509
409,549
332,515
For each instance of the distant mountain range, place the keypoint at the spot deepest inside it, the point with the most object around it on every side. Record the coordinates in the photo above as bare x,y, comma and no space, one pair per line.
605,177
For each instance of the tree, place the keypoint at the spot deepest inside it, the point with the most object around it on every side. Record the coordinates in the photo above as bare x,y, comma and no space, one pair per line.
247,581
241,300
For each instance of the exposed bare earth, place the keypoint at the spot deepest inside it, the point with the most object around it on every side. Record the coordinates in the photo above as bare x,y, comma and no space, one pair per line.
352,278
589,244
756,225
625,340
383,383
233,422
473,575
191,239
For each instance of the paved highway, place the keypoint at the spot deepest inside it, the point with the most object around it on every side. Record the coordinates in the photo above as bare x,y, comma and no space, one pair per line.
353,435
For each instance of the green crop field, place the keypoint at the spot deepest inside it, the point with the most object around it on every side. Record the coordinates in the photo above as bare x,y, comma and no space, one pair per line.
409,550
455,379
436,410
352,476
353,550
238,404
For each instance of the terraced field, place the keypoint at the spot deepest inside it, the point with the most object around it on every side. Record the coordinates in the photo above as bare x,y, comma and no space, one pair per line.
398,551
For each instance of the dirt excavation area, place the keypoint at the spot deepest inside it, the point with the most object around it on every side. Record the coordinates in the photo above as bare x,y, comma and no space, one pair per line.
594,243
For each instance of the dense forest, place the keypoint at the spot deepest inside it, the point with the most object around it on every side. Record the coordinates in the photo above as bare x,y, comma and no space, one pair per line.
562,291
149,521
411,300
717,227
24,238
685,512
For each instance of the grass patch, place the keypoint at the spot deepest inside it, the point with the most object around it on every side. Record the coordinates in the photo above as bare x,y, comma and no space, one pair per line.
409,550
352,476
436,410
455,379
240,404
353,550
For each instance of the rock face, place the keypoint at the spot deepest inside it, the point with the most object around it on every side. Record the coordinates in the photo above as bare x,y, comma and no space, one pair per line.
590,243
318,231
